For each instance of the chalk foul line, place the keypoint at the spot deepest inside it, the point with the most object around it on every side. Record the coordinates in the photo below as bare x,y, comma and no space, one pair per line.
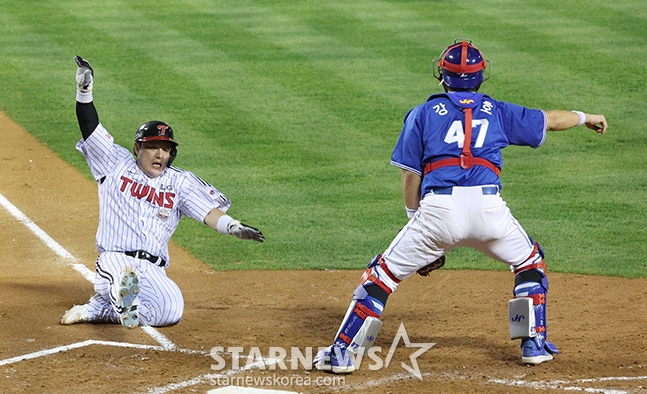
91,342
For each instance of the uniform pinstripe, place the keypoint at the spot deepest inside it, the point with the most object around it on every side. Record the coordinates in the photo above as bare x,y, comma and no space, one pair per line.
137,212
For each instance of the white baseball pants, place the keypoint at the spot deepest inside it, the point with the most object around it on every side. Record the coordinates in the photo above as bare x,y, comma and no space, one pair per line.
466,217
160,299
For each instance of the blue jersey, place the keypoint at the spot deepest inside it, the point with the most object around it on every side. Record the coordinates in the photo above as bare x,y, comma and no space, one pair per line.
434,130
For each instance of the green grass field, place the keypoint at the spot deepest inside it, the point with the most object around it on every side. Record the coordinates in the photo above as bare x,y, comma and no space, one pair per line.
292,108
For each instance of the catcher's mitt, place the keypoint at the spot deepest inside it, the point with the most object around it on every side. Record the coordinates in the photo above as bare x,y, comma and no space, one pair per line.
424,271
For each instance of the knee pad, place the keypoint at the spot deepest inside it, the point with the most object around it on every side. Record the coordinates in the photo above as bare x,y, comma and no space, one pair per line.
378,273
527,311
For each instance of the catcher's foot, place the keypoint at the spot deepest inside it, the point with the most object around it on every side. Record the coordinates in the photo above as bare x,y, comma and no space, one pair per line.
76,314
334,359
128,301
533,355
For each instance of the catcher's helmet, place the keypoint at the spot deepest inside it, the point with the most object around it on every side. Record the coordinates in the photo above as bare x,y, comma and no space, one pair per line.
157,131
461,66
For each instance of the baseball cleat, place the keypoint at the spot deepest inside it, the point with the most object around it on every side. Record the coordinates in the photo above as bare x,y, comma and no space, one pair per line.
322,360
128,301
334,359
531,354
76,314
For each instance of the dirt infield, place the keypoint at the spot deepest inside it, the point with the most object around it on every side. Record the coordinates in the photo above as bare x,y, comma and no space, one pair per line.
597,322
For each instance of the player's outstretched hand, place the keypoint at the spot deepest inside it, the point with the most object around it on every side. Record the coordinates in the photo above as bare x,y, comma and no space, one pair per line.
243,231
84,75
598,123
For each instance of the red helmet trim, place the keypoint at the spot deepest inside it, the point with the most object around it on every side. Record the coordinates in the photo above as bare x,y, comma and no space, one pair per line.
462,68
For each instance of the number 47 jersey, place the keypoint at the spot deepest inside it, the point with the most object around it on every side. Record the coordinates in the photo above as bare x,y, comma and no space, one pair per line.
434,131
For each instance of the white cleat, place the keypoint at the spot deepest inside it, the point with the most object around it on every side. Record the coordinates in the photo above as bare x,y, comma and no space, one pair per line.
128,301
77,314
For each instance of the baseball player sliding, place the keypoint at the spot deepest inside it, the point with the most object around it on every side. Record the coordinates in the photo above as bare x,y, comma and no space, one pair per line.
449,151
141,201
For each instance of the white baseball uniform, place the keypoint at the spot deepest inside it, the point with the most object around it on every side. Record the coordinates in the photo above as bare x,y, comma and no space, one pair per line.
138,214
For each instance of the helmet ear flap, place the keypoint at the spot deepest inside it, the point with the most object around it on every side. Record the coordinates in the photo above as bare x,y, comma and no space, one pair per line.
171,156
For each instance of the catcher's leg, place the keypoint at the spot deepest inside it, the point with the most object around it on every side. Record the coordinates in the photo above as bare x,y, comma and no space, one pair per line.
360,326
527,311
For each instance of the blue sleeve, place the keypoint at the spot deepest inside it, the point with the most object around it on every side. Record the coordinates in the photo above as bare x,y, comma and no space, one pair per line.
409,150
523,126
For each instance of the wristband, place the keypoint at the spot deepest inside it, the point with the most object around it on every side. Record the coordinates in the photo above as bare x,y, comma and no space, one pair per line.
582,117
83,98
223,223
410,212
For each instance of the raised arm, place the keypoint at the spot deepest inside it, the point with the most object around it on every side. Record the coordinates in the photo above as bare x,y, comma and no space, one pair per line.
86,113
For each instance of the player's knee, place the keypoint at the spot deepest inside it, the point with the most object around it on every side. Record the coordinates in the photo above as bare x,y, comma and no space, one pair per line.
158,316
175,315
532,270
378,273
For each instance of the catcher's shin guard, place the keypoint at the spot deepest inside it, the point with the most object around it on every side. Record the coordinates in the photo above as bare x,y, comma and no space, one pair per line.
361,324
527,311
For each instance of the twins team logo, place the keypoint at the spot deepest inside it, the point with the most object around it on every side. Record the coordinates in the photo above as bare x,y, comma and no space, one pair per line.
162,129
139,191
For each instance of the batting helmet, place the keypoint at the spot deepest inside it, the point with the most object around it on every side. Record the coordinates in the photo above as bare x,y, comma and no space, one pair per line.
157,131
461,66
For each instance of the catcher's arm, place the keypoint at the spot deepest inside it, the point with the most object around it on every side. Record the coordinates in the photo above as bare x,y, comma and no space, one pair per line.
562,120
411,191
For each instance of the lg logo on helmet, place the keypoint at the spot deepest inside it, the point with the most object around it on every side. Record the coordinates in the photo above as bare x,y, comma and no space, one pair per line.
162,129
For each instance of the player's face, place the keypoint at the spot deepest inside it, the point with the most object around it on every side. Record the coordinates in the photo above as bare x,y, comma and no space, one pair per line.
152,156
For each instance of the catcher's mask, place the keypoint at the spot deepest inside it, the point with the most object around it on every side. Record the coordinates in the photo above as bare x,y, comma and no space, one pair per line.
460,66
157,131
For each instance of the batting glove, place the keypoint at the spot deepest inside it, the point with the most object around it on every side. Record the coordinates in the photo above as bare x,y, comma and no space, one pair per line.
243,231
84,75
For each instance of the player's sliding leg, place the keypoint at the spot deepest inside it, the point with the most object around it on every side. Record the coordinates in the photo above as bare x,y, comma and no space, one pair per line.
96,310
527,311
128,291
361,324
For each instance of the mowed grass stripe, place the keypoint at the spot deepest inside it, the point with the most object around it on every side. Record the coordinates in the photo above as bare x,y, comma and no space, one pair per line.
293,108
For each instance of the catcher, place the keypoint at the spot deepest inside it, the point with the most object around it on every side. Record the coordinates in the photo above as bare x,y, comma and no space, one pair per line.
449,151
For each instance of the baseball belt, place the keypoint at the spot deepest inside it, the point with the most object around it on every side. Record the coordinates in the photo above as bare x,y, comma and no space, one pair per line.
486,190
140,254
